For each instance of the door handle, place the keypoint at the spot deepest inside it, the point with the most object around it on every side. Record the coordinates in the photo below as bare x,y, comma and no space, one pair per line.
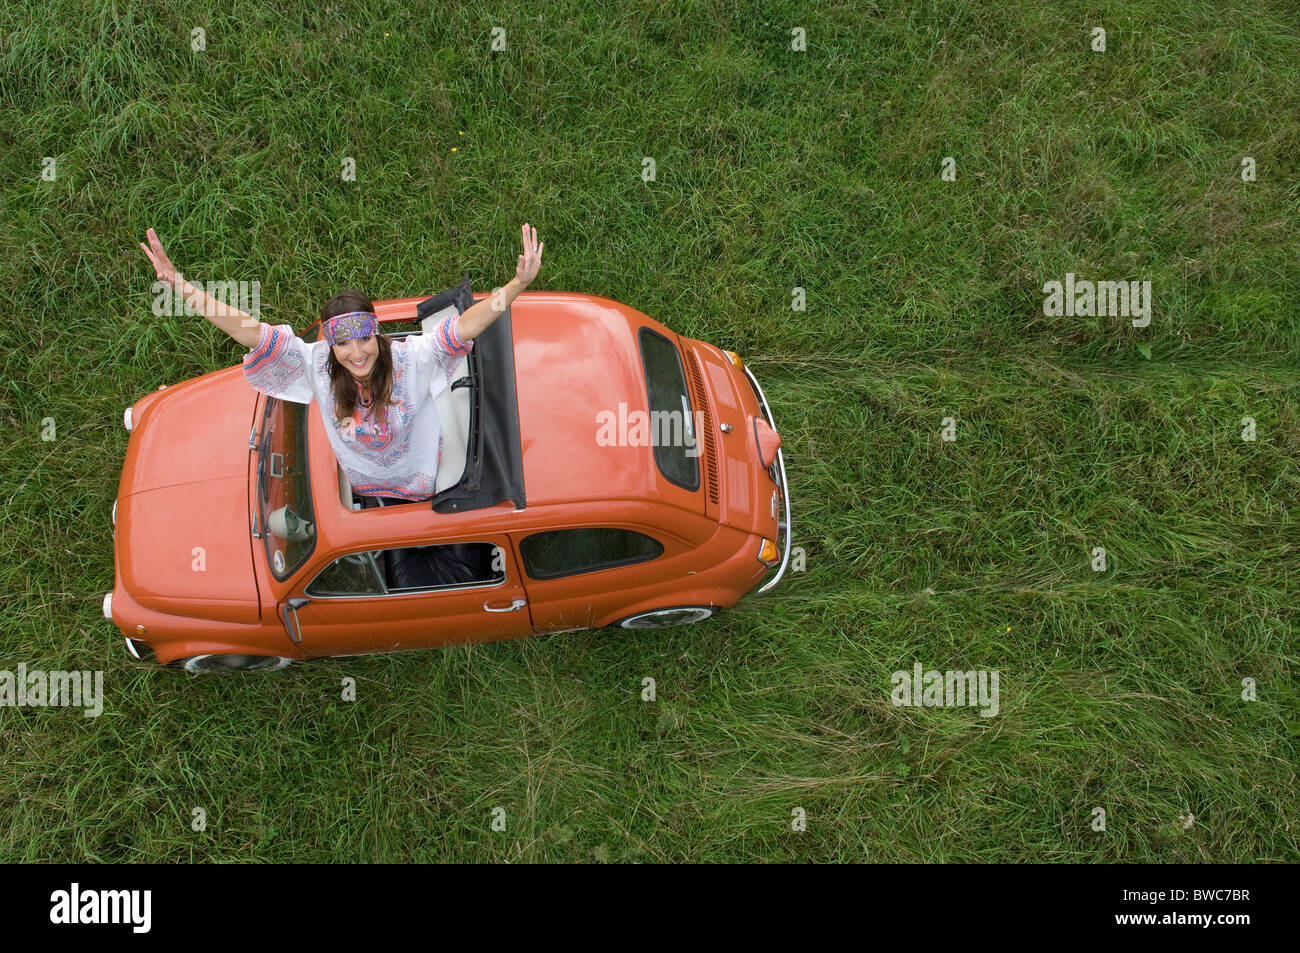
513,607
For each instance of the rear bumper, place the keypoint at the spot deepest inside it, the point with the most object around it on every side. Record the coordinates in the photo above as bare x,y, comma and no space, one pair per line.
778,475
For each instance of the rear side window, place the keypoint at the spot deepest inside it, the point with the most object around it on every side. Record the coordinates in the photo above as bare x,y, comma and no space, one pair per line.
672,425
568,551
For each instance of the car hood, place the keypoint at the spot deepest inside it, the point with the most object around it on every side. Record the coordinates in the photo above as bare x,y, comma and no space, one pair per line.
182,537
192,432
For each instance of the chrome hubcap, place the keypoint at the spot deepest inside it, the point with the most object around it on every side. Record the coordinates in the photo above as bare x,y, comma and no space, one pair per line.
662,617
241,663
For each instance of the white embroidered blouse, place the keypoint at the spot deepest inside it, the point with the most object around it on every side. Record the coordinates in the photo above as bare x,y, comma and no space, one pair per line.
397,456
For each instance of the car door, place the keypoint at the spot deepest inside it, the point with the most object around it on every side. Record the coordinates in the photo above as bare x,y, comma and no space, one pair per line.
359,603
580,575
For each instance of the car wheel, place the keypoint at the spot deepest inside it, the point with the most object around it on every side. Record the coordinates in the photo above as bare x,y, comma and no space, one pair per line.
657,618
203,664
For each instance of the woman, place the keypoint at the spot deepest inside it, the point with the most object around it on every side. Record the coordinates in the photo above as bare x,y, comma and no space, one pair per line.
378,393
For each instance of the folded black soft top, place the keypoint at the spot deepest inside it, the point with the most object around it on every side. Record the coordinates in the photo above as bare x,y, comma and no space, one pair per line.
494,467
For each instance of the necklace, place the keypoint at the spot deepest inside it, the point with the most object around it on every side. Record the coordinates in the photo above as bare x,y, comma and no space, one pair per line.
365,401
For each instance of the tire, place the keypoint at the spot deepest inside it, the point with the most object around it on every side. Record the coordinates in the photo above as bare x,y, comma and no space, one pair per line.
206,664
661,618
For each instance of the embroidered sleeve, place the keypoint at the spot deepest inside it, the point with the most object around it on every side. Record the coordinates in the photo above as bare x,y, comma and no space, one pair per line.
447,338
278,366
448,329
434,356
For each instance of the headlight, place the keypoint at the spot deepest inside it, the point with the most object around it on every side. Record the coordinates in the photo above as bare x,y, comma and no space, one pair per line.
767,553
734,358
108,606
126,419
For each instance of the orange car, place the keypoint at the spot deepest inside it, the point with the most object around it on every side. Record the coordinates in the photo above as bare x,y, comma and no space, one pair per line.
598,470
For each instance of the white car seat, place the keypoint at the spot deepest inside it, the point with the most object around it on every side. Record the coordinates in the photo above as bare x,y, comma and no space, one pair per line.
452,406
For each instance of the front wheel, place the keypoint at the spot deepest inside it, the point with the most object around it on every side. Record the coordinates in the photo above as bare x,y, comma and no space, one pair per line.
203,664
658,618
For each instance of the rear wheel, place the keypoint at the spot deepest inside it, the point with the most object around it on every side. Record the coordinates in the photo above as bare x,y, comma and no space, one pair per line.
658,618
203,664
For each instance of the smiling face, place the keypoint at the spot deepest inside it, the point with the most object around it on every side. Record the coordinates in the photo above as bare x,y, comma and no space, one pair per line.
358,355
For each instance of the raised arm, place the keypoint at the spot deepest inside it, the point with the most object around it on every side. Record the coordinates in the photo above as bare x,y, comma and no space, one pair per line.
478,318
240,325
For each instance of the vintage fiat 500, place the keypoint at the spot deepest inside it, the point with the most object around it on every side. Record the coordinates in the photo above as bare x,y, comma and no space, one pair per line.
598,470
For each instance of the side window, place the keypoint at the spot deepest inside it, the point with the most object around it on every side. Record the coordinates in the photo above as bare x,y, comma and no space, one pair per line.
411,569
568,551
444,567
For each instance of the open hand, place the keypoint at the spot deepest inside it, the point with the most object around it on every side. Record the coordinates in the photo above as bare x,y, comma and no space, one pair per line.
531,259
162,265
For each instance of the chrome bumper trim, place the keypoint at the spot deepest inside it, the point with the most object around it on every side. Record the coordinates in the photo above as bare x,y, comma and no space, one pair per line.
783,525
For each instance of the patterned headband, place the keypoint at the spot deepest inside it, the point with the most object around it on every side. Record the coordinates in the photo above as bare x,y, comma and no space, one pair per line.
354,324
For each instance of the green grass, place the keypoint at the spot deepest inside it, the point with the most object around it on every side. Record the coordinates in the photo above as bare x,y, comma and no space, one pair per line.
1119,689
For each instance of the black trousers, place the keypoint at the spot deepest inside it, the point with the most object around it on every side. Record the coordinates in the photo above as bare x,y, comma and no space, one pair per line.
420,567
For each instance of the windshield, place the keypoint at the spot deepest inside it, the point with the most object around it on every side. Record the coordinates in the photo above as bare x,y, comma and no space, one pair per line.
286,519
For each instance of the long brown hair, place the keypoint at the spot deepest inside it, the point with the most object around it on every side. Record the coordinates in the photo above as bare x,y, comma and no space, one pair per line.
343,385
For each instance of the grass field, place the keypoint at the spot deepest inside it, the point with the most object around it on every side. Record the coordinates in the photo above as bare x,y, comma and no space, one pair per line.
776,169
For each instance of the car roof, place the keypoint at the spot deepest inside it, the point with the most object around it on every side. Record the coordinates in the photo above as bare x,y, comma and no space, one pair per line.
576,355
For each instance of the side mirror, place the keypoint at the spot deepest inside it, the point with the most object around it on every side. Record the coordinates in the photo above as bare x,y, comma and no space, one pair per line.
287,524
